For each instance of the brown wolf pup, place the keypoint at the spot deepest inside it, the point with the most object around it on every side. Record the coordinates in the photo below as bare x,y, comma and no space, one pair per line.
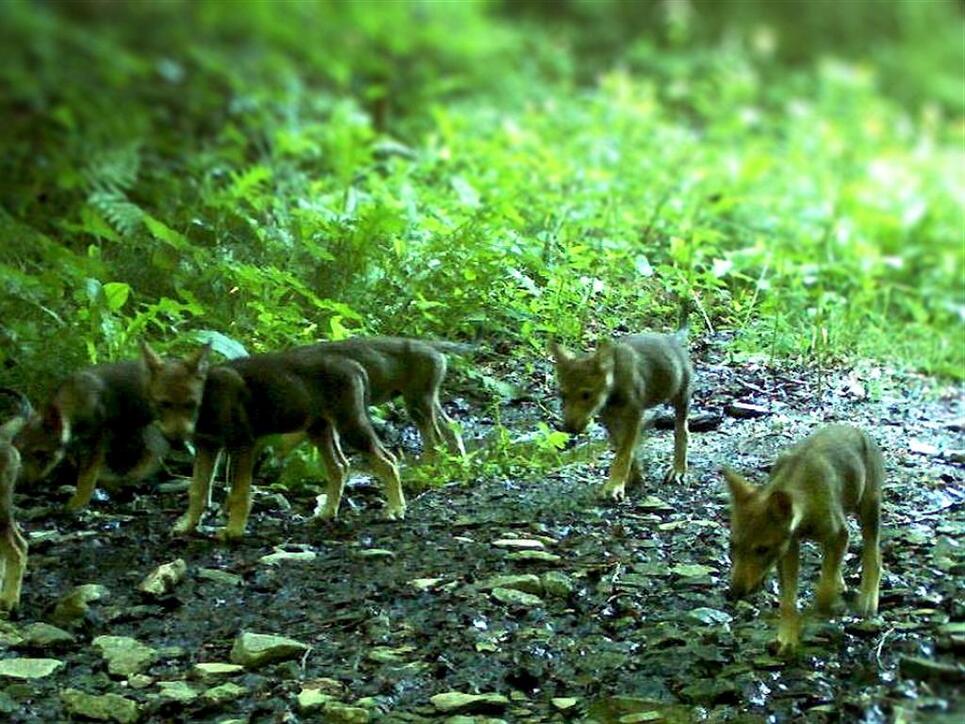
102,419
411,369
620,380
13,546
836,471
302,390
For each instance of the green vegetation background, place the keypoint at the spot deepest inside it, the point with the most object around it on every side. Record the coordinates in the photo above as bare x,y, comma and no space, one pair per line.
274,173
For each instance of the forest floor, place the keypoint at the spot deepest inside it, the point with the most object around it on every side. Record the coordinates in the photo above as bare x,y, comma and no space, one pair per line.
619,615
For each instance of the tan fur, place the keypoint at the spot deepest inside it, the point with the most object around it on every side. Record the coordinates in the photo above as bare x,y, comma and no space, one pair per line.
101,417
618,382
13,546
836,471
304,390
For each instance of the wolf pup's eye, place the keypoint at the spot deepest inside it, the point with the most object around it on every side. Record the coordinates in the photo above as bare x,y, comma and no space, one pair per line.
585,396
761,550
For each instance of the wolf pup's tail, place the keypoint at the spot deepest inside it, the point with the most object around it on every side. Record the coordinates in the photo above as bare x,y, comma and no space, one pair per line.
452,347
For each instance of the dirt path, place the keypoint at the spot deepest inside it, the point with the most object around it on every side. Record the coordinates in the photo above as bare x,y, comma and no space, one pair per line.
625,600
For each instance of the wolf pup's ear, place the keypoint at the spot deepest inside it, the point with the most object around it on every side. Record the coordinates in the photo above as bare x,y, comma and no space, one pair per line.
151,358
780,506
604,356
559,352
740,489
198,360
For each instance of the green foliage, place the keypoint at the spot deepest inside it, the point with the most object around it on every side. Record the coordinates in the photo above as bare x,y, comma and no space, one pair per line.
261,178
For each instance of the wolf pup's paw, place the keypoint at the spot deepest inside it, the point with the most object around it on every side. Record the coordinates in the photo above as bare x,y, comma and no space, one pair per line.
397,513
674,476
867,605
183,526
613,492
229,535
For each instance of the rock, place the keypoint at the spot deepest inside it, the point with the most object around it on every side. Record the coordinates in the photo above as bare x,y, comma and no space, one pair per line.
533,556
519,543
425,584
745,410
387,655
9,634
162,580
634,709
174,486
271,501
557,584
29,668
313,699
564,703
124,655
219,576
76,604
452,702
516,598
43,635
526,582
284,556
922,448
339,713
215,671
108,707
252,650
709,616
179,691
692,570
223,694
914,667
376,553
139,681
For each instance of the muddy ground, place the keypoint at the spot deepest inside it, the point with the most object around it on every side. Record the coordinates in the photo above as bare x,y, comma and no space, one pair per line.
637,626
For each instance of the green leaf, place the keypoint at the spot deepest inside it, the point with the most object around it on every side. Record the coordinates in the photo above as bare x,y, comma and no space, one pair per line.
116,294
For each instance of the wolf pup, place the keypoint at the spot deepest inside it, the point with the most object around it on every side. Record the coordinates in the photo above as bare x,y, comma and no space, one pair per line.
13,546
836,471
410,369
620,380
303,390
102,419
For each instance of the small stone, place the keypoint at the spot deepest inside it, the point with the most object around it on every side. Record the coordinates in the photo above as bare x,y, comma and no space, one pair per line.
124,655
519,543
272,501
455,701
745,411
162,580
526,582
29,668
223,694
709,616
313,699
425,584
692,570
376,553
174,486
215,671
387,655
108,707
516,598
43,635
139,681
284,556
557,584
914,667
252,650
219,576
179,691
338,713
564,702
533,556
76,603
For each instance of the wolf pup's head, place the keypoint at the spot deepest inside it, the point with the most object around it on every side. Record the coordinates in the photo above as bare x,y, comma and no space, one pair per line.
174,388
585,382
42,442
761,528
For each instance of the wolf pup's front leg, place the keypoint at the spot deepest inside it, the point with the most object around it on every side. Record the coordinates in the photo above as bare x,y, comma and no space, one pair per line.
205,464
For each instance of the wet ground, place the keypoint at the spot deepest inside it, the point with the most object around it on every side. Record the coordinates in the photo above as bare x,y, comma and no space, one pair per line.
631,624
